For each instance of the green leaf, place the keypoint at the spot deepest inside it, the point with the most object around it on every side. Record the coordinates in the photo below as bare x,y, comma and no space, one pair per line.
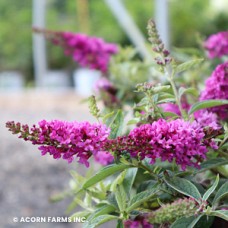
141,197
167,100
165,96
112,200
212,163
120,224
170,114
79,214
106,209
224,146
206,104
99,220
116,124
183,186
223,191
121,197
129,180
98,194
118,181
211,189
77,177
133,121
184,222
183,90
187,65
107,116
220,213
58,197
76,201
103,173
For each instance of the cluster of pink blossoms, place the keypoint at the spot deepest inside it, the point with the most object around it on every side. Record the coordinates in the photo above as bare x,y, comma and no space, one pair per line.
139,223
217,88
217,45
65,139
87,51
177,140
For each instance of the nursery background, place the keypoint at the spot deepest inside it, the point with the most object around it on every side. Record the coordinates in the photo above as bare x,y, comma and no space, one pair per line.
27,180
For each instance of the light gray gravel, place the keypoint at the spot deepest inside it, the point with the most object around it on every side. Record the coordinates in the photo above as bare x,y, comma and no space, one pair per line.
28,180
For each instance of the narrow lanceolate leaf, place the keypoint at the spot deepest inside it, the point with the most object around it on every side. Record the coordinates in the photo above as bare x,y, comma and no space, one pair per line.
107,116
170,114
183,90
211,189
188,222
103,173
77,177
206,104
183,186
118,181
212,163
141,197
80,214
222,214
222,192
99,220
121,197
116,124
106,209
187,65
129,180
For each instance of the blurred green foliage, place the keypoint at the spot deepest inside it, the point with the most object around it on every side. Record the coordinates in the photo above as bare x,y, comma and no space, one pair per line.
15,34
187,19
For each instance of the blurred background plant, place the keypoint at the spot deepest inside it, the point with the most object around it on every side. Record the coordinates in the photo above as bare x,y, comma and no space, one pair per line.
187,19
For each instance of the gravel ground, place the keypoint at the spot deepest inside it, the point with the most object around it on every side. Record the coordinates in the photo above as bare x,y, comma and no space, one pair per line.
28,180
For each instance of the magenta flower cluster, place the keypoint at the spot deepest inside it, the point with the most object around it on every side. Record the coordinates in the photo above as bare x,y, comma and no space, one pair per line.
177,140
217,45
141,222
207,119
63,139
217,88
87,51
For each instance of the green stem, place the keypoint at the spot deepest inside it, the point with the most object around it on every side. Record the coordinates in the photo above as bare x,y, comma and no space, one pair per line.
154,106
140,165
223,154
223,141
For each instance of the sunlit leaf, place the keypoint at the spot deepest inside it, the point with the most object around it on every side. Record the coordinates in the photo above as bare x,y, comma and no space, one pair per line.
211,189
183,186
206,104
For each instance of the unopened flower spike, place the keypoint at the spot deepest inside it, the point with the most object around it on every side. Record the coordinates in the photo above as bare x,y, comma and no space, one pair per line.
94,110
168,213
158,46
